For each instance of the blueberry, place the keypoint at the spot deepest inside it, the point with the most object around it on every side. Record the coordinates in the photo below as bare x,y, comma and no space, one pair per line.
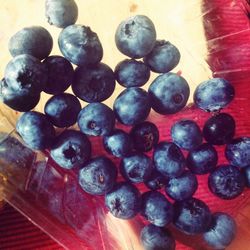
169,93
80,45
35,41
96,119
221,232
192,216
132,73
136,168
186,134
156,208
94,84
20,101
123,201
182,187
219,129
135,36
145,136
62,110
118,143
168,159
202,159
156,238
213,94
98,176
35,129
25,73
71,149
60,74
156,181
163,57
61,13
226,182
132,106
246,171
238,151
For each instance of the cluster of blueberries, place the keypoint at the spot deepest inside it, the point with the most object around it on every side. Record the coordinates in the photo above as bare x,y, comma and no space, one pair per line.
32,71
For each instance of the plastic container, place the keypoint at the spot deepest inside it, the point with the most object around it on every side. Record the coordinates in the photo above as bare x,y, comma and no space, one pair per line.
211,44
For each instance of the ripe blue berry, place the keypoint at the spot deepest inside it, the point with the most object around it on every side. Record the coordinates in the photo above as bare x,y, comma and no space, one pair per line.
155,181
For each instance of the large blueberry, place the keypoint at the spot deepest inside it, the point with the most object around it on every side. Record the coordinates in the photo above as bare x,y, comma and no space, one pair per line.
132,106
136,168
155,181
221,231
238,151
35,41
118,143
132,73
20,101
61,13
123,201
168,159
35,129
186,134
246,171
169,93
192,216
163,57
98,176
226,182
135,36
156,208
60,74
25,73
94,83
145,136
156,238
219,129
202,159
80,45
62,110
213,94
71,149
96,119
182,187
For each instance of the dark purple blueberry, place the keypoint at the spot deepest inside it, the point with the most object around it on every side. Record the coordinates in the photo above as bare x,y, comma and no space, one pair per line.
80,45
238,151
156,238
118,143
186,134
36,130
132,73
123,201
61,13
99,176
145,136
96,119
182,187
62,110
71,149
203,159
169,93
94,84
60,74
163,57
219,129
246,171
156,181
226,181
135,36
136,168
192,216
35,41
168,159
132,106
156,208
213,94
